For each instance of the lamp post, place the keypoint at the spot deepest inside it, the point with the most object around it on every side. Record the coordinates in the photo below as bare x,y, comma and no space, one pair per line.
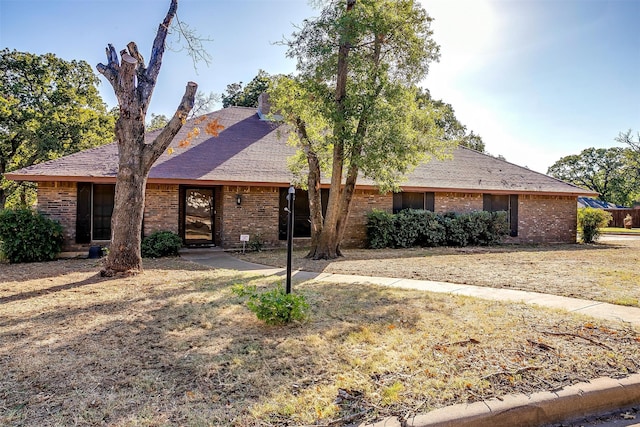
291,197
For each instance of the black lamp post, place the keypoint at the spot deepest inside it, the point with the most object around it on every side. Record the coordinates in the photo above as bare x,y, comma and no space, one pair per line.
291,197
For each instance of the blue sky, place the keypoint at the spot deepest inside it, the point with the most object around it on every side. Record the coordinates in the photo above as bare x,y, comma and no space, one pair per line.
537,79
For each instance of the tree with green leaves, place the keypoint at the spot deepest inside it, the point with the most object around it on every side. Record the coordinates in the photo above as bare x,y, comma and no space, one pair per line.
606,171
246,96
353,104
49,107
633,157
447,120
158,121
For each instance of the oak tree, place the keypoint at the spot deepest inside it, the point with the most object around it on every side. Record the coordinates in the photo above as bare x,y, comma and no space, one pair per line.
246,96
453,129
353,104
133,82
604,170
49,107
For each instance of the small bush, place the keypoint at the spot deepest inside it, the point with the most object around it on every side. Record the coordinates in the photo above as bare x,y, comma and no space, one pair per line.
498,229
161,244
590,221
274,307
380,229
409,224
455,232
256,243
433,233
28,236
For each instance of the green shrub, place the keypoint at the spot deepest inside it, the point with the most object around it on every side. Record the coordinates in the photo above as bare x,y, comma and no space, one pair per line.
409,224
455,232
498,228
160,244
380,229
432,232
256,243
275,306
590,221
484,228
411,227
28,236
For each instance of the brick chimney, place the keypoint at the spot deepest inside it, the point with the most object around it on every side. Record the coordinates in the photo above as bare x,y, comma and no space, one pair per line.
264,106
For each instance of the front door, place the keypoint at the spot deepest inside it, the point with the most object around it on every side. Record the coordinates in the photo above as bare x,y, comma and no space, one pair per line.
198,216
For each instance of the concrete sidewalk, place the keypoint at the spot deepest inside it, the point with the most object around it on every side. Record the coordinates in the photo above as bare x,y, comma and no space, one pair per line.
599,396
219,259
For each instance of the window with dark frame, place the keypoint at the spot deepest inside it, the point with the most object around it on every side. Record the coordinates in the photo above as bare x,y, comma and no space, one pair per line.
94,208
503,202
301,220
413,200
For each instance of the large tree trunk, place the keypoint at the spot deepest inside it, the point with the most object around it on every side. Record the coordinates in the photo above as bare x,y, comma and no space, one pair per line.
315,199
3,193
327,244
128,209
133,84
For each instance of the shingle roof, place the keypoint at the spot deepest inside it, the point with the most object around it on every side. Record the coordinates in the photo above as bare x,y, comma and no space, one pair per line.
251,150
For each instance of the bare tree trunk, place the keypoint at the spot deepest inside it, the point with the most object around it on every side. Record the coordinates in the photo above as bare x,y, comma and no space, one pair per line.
133,84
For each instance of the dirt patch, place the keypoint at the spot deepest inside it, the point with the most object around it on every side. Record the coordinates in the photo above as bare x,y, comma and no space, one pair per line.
606,271
174,346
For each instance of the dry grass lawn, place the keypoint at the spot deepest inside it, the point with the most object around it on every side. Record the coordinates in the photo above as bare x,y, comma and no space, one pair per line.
174,346
608,271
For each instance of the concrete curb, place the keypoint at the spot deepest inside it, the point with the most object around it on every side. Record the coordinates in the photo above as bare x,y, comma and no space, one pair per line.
580,400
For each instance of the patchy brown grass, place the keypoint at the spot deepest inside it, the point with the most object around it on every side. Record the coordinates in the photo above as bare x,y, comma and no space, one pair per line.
175,346
607,271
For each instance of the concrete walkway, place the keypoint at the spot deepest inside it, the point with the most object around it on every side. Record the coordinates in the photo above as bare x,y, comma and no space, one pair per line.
219,259
599,396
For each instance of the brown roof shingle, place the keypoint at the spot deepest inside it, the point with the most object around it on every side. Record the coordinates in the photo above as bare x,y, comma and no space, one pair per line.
250,150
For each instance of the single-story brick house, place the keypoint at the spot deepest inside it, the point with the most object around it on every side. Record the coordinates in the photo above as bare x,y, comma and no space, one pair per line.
217,189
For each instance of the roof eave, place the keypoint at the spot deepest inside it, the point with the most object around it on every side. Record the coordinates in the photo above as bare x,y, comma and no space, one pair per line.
175,181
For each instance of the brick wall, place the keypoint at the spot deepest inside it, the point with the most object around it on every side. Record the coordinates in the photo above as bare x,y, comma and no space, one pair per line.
257,215
457,202
57,200
364,201
161,208
546,219
542,219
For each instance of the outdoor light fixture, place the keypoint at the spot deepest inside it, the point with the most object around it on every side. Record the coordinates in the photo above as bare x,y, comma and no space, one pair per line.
238,199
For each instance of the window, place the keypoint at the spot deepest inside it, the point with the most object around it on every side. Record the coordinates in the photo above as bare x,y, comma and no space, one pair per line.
506,203
301,222
413,200
93,213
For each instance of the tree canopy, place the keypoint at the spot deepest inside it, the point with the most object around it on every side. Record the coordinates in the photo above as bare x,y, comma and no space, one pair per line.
447,120
49,107
606,171
246,96
354,104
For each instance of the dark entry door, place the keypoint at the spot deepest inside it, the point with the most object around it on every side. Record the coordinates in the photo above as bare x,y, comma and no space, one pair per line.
198,216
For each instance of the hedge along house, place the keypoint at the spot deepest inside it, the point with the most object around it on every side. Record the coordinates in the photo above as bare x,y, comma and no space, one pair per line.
217,189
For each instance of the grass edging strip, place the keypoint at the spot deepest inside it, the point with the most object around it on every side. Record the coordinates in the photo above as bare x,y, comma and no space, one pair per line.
598,396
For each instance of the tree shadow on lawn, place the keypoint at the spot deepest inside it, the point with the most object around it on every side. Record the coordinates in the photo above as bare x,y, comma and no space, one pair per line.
169,355
48,269
188,353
